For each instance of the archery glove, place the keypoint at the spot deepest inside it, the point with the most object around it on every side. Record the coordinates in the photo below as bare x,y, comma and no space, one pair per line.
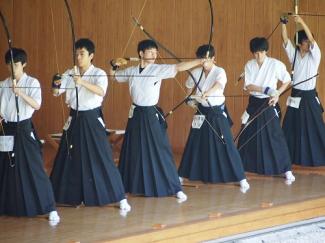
191,102
116,63
284,19
56,81
271,92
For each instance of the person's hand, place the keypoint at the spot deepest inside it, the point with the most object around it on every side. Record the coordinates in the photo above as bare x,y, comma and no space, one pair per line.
205,96
56,81
273,100
77,79
76,76
16,90
284,19
192,103
198,98
298,19
118,62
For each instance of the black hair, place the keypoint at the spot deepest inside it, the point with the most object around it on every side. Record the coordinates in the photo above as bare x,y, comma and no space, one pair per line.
147,44
85,43
19,55
258,44
201,51
302,36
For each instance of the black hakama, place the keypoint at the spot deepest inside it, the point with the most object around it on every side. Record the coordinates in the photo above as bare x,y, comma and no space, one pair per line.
304,129
25,189
84,170
146,161
262,145
206,157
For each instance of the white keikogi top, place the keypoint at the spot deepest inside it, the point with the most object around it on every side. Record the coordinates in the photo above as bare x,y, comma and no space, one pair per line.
305,67
144,87
30,86
87,99
216,74
268,75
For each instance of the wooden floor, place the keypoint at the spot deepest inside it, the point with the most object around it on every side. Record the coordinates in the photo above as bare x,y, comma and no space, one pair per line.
212,211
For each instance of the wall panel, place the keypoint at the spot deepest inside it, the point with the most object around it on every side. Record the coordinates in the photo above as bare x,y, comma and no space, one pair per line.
43,29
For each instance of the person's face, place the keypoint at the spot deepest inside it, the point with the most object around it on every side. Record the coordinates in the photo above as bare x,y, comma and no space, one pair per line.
149,55
305,45
83,58
260,56
18,69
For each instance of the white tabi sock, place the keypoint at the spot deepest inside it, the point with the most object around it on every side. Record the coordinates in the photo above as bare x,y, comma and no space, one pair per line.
289,176
124,205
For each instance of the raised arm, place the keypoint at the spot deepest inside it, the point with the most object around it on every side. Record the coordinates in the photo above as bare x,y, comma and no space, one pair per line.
284,32
299,20
183,66
115,65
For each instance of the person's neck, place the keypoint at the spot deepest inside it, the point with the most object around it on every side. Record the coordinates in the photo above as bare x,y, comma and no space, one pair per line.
18,77
303,53
143,64
260,62
82,70
207,70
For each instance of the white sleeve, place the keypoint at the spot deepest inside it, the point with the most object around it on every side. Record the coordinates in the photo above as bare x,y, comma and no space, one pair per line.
167,71
315,52
222,78
123,75
248,75
1,86
35,91
282,73
66,78
290,50
101,80
190,83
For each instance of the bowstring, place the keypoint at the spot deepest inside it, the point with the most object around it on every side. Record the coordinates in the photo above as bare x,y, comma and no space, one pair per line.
133,29
130,37
58,71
